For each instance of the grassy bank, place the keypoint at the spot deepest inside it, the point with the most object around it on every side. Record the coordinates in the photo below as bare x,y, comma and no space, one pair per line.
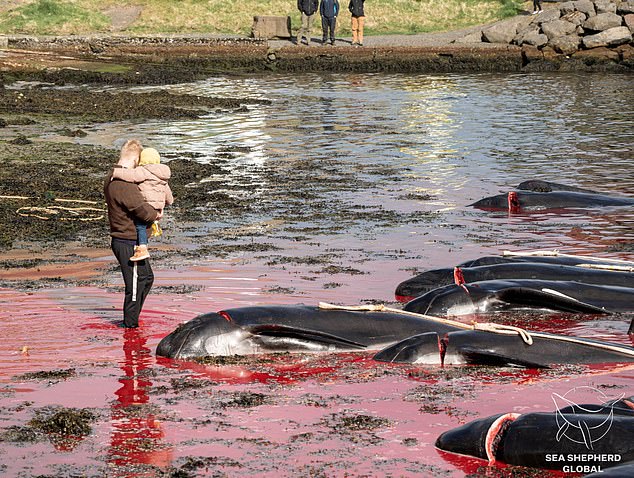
65,17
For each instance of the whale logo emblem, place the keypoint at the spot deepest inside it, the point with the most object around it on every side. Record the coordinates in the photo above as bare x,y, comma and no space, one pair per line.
572,422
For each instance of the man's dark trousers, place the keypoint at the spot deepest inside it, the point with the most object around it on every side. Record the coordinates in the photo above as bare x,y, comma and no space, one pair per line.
328,23
137,277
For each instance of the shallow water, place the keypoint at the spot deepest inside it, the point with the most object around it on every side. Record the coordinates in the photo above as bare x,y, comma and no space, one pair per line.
369,173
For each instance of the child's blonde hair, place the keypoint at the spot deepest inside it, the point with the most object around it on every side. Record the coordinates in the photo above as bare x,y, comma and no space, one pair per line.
149,156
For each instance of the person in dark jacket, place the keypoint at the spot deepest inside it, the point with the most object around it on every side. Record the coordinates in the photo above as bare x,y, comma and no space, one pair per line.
329,9
308,8
125,202
358,19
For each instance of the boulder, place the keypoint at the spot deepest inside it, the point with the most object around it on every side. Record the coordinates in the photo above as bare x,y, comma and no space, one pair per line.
566,45
585,6
4,41
558,28
546,16
629,21
597,55
626,52
612,37
567,7
265,27
534,38
504,31
624,8
576,18
604,6
602,22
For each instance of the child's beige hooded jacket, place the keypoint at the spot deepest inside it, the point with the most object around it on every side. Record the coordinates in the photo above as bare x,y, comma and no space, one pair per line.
152,181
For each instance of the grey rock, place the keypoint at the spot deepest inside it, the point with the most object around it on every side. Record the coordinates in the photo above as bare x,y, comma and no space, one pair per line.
566,45
629,21
624,8
604,6
271,27
576,18
534,38
546,16
612,37
500,33
567,7
602,22
558,28
585,6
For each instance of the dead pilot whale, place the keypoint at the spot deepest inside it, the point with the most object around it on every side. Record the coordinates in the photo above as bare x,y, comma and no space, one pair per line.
514,348
509,294
516,201
434,278
261,329
575,438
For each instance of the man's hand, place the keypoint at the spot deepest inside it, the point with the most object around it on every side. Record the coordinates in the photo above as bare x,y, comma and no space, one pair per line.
159,215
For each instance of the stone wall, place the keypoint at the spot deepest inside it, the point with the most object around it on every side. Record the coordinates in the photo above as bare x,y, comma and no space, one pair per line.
568,27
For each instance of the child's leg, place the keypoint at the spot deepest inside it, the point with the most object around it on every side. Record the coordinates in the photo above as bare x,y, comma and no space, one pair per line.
141,232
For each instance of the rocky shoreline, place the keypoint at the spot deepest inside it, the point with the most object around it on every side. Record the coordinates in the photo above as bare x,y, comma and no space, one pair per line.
583,35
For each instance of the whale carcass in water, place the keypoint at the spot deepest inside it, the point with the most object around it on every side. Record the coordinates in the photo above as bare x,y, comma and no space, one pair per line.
515,348
599,436
432,279
497,295
516,201
542,186
250,330
399,337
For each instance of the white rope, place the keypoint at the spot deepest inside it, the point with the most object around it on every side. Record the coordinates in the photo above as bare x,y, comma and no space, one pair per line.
54,211
556,253
525,335
135,278
608,267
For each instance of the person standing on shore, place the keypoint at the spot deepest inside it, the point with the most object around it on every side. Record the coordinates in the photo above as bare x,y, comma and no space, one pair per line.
125,203
308,8
537,7
358,19
328,9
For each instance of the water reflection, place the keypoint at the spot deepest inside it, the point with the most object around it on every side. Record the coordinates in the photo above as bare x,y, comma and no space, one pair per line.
136,437
368,155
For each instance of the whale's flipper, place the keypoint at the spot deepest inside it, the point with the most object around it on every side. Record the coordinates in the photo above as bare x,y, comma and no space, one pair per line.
479,356
547,299
283,331
412,349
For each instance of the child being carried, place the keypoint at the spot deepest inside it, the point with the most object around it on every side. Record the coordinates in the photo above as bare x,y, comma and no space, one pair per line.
151,177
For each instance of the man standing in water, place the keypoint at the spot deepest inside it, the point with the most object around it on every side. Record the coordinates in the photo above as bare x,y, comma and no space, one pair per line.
125,203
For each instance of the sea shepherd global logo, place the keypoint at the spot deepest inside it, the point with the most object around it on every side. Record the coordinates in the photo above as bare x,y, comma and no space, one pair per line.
583,425
572,418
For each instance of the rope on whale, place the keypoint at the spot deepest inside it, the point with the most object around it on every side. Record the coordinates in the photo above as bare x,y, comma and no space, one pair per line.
524,334
556,253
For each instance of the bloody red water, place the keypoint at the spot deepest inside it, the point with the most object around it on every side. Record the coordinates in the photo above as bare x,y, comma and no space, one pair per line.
116,370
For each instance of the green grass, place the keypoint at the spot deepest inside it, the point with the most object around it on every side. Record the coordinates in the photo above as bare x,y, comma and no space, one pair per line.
49,17
64,17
